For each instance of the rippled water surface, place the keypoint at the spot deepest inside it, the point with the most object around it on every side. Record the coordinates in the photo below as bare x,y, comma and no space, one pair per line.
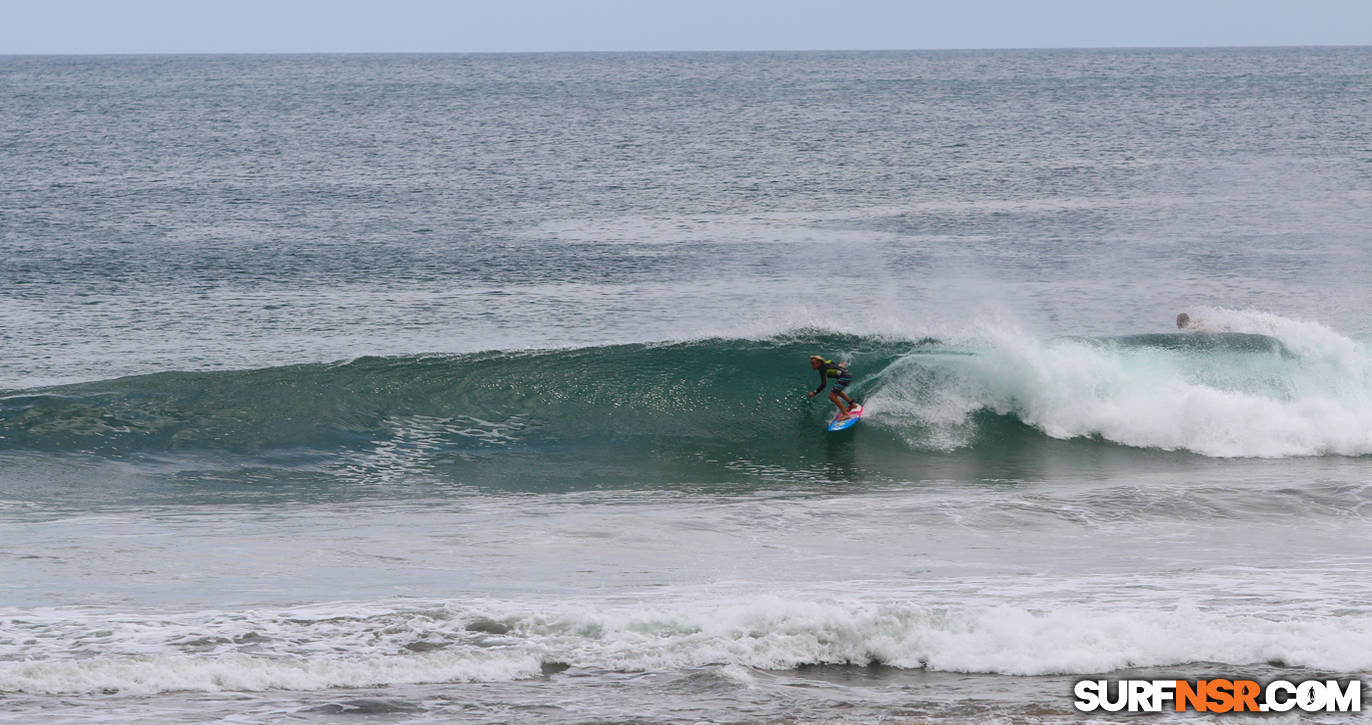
472,388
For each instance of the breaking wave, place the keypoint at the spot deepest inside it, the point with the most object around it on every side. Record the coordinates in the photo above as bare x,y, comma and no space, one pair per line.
375,645
1268,387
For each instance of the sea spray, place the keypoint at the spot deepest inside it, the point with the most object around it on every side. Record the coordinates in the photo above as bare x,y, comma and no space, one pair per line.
1229,394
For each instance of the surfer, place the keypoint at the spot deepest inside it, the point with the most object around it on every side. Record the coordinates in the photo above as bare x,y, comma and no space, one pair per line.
830,369
1184,322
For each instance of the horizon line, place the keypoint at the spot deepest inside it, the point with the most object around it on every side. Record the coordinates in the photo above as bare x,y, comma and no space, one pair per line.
677,50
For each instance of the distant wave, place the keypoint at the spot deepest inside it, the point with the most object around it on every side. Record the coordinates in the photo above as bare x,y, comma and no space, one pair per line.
1294,390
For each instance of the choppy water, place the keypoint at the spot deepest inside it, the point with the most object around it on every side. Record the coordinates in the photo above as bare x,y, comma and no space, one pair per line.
435,388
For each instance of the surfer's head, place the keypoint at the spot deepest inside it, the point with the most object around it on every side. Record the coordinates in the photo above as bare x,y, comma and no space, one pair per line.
1183,320
816,361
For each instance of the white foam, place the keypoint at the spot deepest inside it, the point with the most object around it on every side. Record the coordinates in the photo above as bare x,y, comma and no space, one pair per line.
1315,401
301,650
248,673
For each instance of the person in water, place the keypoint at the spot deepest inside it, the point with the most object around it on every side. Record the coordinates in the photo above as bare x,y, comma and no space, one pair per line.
842,377
1186,324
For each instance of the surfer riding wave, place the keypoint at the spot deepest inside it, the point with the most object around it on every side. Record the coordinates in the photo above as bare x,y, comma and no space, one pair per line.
842,377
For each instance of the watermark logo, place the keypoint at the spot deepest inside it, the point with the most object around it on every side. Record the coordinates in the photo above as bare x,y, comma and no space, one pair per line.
1218,695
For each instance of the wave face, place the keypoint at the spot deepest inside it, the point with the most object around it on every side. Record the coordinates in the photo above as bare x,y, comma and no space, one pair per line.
730,405
665,402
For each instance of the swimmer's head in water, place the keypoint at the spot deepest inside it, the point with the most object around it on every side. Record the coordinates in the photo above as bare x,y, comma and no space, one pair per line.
1183,320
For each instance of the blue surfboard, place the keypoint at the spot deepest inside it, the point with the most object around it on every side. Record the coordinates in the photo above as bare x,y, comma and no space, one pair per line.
848,422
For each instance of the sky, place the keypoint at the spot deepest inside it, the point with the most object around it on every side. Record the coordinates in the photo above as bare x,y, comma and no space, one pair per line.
467,26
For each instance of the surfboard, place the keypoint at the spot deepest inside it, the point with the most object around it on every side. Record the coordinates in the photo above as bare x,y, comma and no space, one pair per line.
848,422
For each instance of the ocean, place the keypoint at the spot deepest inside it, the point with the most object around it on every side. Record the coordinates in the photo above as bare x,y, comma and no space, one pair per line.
473,388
